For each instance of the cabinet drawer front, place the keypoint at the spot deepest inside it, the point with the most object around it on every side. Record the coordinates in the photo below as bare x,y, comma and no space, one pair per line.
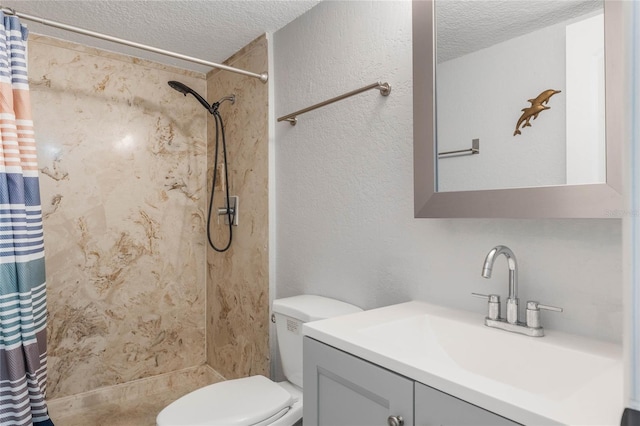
438,408
341,389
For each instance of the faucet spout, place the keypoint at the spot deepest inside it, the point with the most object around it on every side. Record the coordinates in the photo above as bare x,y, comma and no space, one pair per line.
487,267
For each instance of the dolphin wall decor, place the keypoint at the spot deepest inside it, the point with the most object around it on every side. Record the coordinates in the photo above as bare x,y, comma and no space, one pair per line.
537,106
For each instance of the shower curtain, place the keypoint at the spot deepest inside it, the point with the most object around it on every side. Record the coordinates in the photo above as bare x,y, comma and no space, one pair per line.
23,312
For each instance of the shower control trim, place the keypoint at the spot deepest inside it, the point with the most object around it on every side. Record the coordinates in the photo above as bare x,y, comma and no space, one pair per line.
224,211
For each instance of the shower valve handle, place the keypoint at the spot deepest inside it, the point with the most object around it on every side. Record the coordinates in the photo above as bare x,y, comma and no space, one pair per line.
222,211
230,211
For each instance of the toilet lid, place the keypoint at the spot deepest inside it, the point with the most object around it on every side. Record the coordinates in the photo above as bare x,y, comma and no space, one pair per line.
245,401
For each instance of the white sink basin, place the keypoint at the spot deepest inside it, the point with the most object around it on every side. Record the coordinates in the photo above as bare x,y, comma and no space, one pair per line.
559,378
532,364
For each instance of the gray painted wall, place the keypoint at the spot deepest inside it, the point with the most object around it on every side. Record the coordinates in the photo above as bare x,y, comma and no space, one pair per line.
344,199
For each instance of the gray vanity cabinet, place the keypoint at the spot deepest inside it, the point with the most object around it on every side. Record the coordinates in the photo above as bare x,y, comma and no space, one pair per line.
433,407
343,390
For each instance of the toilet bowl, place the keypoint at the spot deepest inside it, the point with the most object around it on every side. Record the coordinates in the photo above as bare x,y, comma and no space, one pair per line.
256,400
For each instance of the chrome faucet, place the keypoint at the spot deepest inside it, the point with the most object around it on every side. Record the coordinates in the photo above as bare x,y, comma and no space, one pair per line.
532,326
512,300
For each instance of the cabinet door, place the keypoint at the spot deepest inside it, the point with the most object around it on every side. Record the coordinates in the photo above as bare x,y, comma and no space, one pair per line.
343,390
438,408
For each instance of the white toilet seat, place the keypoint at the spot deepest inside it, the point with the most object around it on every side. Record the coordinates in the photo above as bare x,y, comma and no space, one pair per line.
253,400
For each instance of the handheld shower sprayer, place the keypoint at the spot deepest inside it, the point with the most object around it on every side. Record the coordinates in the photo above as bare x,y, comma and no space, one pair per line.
231,210
185,90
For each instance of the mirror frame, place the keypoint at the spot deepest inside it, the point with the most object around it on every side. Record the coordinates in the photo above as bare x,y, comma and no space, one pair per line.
602,200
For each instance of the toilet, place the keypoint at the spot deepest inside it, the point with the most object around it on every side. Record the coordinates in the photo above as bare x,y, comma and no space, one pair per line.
256,400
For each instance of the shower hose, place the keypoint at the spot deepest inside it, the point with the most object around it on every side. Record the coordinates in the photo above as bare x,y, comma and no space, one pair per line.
230,210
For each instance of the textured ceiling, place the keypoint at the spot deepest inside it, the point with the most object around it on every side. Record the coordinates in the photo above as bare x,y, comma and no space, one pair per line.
465,26
211,30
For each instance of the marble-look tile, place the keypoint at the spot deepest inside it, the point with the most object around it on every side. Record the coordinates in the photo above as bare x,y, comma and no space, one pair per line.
135,403
133,413
238,280
56,42
122,159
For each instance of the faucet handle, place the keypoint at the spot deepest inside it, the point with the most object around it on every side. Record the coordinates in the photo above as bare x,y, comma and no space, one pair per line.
533,305
489,297
550,308
533,313
493,302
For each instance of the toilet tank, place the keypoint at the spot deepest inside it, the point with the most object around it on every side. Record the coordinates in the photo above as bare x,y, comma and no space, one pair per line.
290,314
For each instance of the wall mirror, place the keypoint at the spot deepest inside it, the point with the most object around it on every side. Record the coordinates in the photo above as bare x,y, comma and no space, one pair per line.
536,87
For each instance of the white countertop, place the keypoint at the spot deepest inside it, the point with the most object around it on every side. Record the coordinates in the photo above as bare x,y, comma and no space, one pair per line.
556,379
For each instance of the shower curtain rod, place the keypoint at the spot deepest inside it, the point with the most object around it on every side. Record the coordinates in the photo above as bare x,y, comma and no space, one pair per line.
262,77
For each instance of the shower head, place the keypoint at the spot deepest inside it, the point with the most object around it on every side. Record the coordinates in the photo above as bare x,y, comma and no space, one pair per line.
185,90
182,88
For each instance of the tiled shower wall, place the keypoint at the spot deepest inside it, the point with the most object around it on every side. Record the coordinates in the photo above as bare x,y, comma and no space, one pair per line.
237,280
122,159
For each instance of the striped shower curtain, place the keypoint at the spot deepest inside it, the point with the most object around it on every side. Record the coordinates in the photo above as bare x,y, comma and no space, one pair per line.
23,312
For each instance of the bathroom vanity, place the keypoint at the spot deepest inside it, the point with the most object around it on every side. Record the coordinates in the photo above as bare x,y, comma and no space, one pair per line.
352,391
419,364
